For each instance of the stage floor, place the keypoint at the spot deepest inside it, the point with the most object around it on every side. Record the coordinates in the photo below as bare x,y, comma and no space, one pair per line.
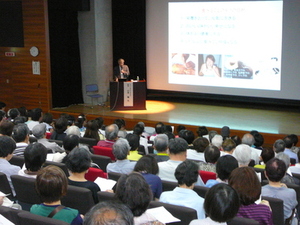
274,121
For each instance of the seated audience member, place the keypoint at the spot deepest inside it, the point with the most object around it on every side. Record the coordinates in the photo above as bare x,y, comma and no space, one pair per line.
39,131
242,153
266,155
211,134
6,128
201,131
186,174
111,135
217,141
35,155
121,150
228,147
294,139
296,168
245,181
2,116
221,204
2,106
121,125
147,166
258,141
20,120
170,135
102,127
289,143
177,150
179,128
60,126
200,144
35,115
160,146
159,129
168,128
21,137
275,171
134,143
248,139
278,146
7,146
69,143
78,163
134,192
81,122
92,130
54,177
237,140
109,212
211,155
138,130
13,114
188,136
47,119
225,132
147,131
224,166
288,178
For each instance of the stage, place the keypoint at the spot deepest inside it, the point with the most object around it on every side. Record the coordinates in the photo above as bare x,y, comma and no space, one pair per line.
270,120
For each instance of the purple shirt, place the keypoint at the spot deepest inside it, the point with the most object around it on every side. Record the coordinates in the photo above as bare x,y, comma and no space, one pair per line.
106,143
258,212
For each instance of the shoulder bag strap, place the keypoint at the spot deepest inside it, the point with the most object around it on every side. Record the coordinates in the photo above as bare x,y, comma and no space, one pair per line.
56,210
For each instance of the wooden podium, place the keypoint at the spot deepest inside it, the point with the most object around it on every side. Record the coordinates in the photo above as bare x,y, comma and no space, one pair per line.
128,95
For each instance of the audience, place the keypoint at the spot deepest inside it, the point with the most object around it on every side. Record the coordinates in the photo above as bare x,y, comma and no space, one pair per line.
159,129
288,177
47,119
21,137
188,136
6,128
134,142
111,135
200,144
138,130
69,143
228,147
92,130
289,143
121,125
160,146
266,155
186,174
221,204
279,146
60,126
121,150
225,132
51,185
242,153
201,131
217,141
211,155
248,139
35,116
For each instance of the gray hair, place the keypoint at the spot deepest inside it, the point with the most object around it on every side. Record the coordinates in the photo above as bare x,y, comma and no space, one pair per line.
248,139
285,158
279,145
73,130
20,132
242,153
161,142
111,132
217,140
121,148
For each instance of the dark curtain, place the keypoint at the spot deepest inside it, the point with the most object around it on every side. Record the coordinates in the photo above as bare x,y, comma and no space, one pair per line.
129,35
64,53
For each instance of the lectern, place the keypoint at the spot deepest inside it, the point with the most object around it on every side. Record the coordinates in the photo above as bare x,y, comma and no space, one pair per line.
129,95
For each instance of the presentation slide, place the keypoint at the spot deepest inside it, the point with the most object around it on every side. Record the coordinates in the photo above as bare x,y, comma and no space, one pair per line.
241,48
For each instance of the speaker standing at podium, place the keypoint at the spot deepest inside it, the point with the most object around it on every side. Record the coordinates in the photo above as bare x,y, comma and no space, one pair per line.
121,71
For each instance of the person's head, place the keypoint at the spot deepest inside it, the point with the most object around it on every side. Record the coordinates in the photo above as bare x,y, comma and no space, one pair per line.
92,130
179,128
211,154
294,139
228,145
78,160
217,141
159,128
2,115
109,213
111,132
275,170
187,135
225,165
242,153
120,123
237,140
35,155
221,203
170,135
285,158
121,62
146,164
138,129
134,141
36,114
248,139
121,149
2,106
267,154
7,146
81,120
61,124
73,130
23,111
51,184
134,191
225,132
6,128
186,173
202,131
70,142
13,113
20,133
245,181
279,146
200,144
258,140
20,119
168,128
39,130
47,118
289,141
210,60
100,122
161,142
211,134
178,146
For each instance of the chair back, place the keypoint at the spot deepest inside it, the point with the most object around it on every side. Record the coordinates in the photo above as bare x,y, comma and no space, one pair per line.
60,165
201,190
10,214
206,175
93,173
32,139
239,220
114,176
105,151
27,218
105,196
277,209
88,141
185,214
59,142
17,161
168,185
101,160
5,187
91,88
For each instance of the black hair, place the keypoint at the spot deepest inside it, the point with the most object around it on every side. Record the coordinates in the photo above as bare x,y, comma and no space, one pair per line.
225,165
7,146
187,135
177,145
133,140
211,154
258,140
275,169
187,173
78,160
35,155
6,128
70,142
20,132
147,164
